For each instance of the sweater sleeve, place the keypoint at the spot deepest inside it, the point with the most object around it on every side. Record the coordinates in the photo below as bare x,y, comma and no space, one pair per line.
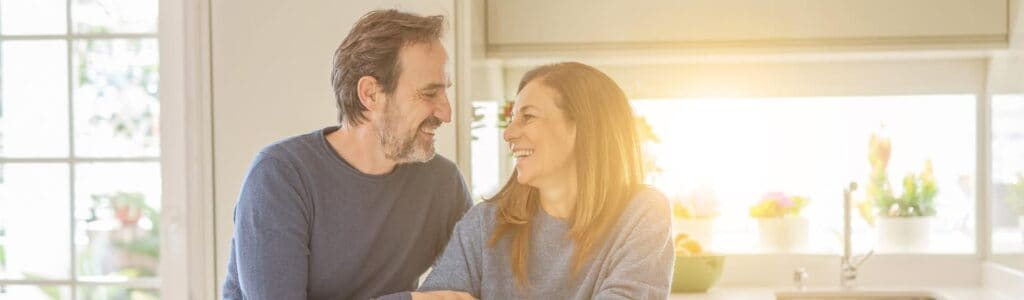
271,243
642,268
459,268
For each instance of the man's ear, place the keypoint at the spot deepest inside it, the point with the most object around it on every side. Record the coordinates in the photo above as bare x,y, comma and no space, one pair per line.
371,95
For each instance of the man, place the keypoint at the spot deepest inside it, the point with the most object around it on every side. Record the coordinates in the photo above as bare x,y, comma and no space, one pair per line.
363,209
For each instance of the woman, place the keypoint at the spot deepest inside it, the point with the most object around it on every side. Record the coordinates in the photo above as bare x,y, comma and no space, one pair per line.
574,220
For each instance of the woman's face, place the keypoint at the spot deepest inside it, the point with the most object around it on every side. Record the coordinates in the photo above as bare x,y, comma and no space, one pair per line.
542,139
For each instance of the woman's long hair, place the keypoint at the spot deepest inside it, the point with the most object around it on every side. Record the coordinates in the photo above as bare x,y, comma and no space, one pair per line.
608,164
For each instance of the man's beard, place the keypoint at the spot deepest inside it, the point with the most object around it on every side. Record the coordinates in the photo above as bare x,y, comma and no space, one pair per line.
408,149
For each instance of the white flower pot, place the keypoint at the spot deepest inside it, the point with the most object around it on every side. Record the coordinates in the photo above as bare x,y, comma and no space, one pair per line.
903,234
698,230
783,234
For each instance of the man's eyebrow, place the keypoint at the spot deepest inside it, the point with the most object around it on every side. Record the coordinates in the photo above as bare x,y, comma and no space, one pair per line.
435,86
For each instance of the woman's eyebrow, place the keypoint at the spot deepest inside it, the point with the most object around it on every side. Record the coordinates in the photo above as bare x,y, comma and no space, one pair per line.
528,106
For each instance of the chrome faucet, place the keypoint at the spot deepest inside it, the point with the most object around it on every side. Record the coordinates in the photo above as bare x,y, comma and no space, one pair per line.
848,268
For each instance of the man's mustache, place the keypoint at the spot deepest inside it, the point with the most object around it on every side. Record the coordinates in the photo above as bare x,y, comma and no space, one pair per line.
432,122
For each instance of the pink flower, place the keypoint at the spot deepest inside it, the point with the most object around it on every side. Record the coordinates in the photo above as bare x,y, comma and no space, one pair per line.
781,200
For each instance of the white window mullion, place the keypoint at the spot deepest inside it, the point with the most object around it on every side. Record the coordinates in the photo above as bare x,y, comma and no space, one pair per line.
71,148
983,179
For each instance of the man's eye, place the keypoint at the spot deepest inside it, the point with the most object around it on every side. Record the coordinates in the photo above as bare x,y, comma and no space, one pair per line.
431,95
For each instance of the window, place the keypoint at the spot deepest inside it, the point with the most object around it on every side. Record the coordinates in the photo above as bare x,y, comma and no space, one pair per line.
722,156
1007,173
486,144
79,149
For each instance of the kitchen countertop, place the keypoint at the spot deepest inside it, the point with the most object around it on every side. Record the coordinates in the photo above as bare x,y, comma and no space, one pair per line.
768,293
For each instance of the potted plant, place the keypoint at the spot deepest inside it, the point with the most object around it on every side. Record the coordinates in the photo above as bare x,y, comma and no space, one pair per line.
779,224
505,114
1015,200
694,213
904,221
126,226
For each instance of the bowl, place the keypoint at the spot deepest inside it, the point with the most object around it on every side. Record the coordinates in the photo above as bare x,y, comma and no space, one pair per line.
696,274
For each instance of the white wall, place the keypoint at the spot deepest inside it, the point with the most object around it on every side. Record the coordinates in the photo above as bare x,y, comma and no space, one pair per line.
271,79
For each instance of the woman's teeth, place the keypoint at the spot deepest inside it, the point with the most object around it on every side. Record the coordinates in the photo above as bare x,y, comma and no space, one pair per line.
522,153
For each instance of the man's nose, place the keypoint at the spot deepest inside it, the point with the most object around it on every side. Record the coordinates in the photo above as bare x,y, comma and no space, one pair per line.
443,111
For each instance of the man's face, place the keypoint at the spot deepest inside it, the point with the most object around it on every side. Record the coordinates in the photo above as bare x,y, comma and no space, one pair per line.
418,106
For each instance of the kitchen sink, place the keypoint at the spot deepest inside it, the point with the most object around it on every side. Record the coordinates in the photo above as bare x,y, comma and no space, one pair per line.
859,295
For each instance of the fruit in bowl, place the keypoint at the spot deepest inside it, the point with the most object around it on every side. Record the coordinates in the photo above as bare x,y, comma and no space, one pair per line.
686,246
695,271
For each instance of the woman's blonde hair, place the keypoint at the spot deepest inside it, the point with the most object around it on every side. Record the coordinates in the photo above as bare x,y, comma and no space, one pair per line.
608,164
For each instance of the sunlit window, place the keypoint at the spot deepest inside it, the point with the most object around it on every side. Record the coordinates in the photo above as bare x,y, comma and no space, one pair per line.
767,175
486,142
79,149
1007,212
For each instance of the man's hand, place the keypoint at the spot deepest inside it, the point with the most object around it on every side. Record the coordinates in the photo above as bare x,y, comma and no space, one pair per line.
442,295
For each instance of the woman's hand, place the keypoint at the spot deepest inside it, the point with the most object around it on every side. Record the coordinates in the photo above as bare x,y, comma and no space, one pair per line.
442,295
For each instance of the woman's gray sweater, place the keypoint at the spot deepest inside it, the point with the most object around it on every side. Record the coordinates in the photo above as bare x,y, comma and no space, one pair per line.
634,262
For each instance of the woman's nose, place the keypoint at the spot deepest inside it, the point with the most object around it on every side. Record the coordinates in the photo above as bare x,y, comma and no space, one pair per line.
511,132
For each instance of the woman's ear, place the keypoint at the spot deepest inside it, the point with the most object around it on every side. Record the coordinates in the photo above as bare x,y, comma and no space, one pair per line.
370,93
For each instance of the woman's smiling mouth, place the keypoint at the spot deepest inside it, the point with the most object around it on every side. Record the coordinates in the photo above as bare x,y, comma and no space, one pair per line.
521,153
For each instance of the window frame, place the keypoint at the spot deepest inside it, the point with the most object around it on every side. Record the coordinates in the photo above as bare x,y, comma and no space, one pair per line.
188,270
172,17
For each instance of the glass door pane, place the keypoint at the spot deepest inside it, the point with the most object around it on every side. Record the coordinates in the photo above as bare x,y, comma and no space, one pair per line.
33,17
34,107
